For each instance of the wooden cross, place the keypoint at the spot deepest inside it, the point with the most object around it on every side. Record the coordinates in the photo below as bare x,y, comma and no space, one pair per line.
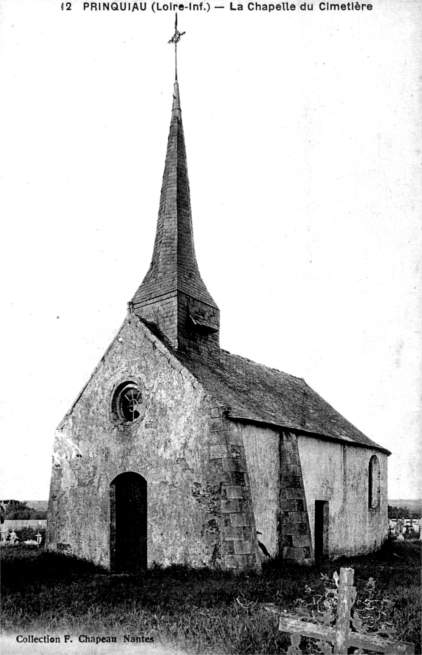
340,635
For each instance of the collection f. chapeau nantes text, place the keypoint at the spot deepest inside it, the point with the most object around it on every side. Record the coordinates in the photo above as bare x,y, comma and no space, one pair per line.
231,6
84,639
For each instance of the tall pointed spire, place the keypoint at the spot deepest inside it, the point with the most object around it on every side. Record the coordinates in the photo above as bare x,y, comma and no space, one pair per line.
173,295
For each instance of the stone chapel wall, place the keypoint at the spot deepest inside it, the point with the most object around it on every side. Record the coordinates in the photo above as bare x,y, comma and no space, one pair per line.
262,446
339,474
278,492
199,507
289,472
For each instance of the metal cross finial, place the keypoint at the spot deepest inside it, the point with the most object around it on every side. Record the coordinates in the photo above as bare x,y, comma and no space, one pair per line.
175,39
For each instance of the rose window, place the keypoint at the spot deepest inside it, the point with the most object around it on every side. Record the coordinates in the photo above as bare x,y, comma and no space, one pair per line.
127,402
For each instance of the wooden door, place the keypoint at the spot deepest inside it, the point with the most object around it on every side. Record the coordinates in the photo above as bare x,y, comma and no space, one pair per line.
128,535
321,530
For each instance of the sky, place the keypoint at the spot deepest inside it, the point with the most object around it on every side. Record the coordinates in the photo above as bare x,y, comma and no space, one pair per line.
303,141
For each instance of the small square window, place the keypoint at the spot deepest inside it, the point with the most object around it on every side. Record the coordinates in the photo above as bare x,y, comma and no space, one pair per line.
239,478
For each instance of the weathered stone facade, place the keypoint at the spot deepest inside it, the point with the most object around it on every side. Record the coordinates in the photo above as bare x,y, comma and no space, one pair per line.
199,504
291,472
177,451
341,477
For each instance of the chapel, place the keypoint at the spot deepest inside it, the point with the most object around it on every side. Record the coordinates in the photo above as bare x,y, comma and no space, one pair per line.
179,452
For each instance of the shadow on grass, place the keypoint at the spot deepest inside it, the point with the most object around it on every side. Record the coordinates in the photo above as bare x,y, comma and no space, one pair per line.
201,609
22,565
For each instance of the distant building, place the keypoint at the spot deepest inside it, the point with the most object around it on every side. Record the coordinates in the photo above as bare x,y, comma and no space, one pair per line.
177,451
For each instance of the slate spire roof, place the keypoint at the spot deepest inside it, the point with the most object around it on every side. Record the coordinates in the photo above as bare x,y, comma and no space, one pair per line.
174,267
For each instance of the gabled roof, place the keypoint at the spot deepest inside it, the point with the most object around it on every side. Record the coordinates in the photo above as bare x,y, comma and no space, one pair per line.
256,393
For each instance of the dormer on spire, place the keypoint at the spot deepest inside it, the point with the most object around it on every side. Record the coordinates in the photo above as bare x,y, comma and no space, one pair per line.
173,296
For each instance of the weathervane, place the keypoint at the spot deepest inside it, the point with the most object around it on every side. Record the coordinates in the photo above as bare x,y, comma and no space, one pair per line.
175,39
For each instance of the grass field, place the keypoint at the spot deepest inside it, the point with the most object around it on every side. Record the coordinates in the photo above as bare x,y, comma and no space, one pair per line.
199,610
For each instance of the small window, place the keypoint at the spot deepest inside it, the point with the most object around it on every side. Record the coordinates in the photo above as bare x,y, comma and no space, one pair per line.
374,478
127,402
239,478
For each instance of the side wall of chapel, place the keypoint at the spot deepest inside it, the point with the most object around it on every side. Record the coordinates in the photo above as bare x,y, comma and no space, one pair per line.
199,507
339,474
289,473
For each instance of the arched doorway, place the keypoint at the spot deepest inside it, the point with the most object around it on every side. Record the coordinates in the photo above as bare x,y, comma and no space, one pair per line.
128,523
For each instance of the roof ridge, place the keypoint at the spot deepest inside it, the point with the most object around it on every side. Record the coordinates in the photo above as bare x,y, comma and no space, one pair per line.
262,394
271,368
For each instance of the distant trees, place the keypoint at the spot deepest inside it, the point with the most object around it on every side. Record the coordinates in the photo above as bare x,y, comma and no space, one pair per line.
403,513
18,510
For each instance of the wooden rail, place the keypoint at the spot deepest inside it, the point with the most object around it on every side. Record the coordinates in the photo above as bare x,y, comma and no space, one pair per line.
341,635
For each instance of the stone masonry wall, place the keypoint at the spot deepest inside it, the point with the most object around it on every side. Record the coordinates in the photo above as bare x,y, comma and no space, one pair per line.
238,529
293,523
338,473
289,472
278,492
262,449
199,506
